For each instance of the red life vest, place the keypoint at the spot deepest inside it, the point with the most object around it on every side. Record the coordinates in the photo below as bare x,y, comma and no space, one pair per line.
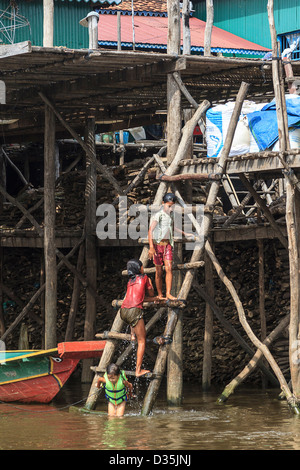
136,290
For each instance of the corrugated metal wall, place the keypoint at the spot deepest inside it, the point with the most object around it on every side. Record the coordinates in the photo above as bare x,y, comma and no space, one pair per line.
249,18
67,30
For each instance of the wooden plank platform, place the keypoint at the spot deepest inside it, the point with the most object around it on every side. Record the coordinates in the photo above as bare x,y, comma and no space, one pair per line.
263,163
234,233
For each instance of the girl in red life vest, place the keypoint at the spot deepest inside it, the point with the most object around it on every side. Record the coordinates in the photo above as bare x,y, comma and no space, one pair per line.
139,289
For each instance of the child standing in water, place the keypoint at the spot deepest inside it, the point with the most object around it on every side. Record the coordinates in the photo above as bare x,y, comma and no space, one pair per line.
139,289
116,389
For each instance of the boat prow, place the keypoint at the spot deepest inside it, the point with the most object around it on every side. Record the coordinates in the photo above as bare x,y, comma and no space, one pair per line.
38,375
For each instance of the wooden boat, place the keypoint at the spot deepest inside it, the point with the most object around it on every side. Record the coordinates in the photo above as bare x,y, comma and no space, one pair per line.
29,376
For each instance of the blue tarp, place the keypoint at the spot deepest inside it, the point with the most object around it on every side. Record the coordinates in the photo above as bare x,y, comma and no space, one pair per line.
263,123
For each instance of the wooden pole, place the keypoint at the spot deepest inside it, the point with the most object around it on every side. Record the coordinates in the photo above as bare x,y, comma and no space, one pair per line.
261,290
208,327
175,359
49,231
290,216
186,11
90,245
208,27
2,322
119,30
48,9
173,91
174,120
75,297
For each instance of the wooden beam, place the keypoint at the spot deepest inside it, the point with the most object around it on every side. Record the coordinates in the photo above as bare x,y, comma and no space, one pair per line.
9,50
265,210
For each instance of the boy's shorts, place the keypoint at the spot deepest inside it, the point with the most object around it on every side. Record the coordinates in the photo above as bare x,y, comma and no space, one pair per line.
162,252
131,316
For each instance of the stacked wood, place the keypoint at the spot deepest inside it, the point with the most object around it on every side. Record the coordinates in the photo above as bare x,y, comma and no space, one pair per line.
240,261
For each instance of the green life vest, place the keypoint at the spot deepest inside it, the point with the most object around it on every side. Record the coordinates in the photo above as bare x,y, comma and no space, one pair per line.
115,393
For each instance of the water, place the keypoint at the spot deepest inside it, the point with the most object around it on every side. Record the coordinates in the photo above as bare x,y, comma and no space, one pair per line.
252,419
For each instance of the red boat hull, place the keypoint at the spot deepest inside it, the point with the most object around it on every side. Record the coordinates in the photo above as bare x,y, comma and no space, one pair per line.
39,389
38,376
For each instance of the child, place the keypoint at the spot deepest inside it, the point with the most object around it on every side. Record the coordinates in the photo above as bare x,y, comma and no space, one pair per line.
116,389
161,244
132,308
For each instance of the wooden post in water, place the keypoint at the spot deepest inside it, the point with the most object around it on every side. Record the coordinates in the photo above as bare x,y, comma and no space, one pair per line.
49,231
208,328
174,119
291,223
90,245
261,289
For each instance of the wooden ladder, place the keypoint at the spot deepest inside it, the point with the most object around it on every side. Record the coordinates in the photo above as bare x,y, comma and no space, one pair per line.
197,254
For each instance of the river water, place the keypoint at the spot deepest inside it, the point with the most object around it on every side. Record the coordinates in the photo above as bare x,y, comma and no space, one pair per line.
252,419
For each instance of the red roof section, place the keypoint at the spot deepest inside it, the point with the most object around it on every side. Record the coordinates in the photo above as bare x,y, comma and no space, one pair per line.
154,31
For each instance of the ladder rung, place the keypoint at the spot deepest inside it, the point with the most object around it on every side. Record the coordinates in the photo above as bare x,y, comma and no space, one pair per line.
130,373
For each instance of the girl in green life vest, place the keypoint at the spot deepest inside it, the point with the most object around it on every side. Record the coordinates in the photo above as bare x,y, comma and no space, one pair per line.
117,389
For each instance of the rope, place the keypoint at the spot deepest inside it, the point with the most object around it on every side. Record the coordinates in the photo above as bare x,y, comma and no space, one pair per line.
41,411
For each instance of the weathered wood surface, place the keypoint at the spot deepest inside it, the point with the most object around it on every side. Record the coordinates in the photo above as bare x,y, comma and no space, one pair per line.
262,162
167,303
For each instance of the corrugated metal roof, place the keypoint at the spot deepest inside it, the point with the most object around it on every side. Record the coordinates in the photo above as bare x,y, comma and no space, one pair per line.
152,33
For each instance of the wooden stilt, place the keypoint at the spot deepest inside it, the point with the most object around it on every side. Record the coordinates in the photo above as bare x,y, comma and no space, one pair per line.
208,327
2,322
90,245
49,231
175,360
284,145
75,297
261,290
42,299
